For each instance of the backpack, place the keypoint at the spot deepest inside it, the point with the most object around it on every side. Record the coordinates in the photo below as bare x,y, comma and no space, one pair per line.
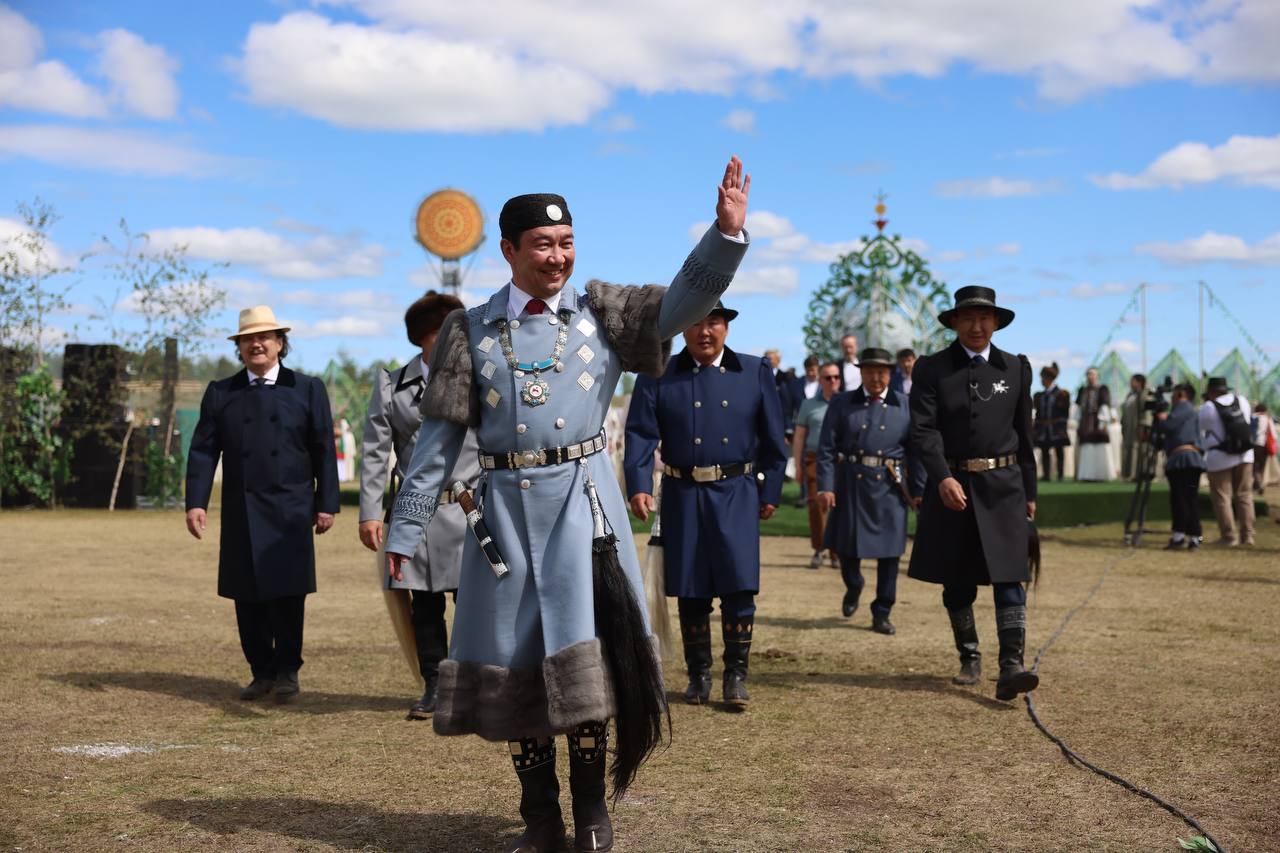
1239,432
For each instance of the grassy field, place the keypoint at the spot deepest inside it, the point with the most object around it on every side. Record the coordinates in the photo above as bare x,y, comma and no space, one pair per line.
118,668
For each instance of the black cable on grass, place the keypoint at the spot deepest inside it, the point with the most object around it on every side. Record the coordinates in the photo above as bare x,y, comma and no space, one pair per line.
1074,756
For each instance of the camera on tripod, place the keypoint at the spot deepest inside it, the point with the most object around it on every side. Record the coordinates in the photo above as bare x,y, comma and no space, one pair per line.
1155,401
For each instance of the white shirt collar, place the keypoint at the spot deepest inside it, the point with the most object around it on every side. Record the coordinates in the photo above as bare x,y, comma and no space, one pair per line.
270,375
517,299
425,368
715,362
986,353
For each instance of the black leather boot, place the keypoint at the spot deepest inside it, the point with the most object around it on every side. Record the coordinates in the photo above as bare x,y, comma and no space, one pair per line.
432,638
696,634
535,762
737,652
966,633
426,706
592,829
1011,626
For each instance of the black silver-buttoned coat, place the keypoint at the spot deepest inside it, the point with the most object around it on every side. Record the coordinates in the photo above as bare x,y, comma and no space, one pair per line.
870,517
279,468
392,424
960,410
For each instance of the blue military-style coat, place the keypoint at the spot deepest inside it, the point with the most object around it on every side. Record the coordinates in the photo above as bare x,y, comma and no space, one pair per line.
870,517
709,416
525,660
279,468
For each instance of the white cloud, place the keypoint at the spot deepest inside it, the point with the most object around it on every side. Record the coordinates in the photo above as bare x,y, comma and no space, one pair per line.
481,67
342,299
1211,246
949,256
141,74
125,152
356,76
317,256
743,121
618,123
1247,160
1006,249
768,280
1125,346
1090,291
993,187
53,257
342,327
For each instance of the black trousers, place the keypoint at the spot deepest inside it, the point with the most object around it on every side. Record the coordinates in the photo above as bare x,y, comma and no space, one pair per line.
886,581
271,634
1046,460
1184,487
735,606
429,631
960,596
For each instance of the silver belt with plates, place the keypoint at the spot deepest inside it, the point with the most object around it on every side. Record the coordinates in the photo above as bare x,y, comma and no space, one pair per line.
536,458
869,461
975,466
709,473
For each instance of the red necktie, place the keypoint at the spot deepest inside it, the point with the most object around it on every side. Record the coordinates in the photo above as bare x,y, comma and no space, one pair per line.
875,399
535,306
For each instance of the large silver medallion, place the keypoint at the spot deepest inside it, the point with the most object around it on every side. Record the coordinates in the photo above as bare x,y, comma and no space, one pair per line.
536,391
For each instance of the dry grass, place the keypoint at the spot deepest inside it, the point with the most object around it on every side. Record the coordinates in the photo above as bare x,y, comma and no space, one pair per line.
110,633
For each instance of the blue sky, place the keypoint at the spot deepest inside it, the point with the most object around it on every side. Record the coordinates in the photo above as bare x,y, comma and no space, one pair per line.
1061,153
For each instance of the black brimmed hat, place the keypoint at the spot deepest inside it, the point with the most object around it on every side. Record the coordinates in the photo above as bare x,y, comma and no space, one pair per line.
535,210
1217,385
976,296
875,357
720,311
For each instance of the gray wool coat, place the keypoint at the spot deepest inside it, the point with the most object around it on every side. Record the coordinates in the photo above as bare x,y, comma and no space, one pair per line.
525,660
395,415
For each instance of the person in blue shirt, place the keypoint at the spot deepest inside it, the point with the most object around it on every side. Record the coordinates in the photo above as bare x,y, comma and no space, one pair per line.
717,416
1179,434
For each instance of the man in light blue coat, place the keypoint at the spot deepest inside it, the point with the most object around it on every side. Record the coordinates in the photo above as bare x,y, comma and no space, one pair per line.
533,371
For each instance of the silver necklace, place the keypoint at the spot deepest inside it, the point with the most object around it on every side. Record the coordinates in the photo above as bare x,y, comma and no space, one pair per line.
536,390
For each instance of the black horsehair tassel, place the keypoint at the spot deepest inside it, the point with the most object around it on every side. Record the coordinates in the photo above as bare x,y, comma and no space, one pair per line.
637,675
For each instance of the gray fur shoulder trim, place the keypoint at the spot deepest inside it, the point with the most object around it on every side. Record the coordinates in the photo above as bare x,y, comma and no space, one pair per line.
450,395
629,315
499,703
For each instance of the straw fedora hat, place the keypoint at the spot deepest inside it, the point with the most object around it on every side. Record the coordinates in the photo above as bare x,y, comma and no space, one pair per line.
259,318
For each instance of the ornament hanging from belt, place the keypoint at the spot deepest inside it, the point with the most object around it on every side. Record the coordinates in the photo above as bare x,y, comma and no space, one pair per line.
536,390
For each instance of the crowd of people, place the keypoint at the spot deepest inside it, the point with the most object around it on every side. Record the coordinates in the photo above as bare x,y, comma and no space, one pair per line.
503,498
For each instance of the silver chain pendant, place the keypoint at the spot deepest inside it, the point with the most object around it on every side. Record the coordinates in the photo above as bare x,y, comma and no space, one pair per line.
535,391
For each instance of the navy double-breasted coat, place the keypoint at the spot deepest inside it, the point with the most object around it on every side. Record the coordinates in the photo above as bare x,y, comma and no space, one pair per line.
870,517
279,468
963,410
722,415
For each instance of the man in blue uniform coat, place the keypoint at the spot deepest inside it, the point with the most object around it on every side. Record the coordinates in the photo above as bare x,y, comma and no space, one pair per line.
272,428
864,475
971,429
717,416
533,372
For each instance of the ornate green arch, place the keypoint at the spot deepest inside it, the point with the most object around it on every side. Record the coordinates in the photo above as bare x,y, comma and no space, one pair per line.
882,292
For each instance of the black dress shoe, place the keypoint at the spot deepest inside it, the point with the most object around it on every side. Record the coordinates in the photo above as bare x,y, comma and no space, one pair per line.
882,625
849,605
257,688
286,687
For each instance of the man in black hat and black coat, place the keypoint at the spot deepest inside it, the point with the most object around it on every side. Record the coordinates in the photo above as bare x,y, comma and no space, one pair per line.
717,416
971,429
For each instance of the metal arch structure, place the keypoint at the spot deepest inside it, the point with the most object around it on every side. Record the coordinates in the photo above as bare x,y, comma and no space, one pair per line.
884,293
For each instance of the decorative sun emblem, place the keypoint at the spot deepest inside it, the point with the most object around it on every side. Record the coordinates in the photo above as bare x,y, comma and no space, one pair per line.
1000,387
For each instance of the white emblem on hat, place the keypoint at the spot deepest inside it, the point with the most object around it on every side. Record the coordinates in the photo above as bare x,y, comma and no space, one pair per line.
554,213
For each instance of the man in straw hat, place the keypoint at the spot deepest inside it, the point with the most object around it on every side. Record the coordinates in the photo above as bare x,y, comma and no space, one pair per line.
864,476
717,416
971,429
557,643
272,429
416,603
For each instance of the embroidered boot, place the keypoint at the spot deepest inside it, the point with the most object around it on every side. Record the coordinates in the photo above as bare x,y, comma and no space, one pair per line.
737,651
535,763
965,631
592,829
696,635
1011,624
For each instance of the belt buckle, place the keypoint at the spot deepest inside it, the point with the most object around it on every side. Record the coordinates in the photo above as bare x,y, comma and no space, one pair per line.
529,458
573,451
706,475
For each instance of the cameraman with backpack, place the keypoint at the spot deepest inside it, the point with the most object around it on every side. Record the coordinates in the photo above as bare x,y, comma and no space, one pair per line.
1228,439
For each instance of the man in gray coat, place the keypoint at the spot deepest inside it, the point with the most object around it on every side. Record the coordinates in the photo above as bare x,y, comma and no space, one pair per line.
533,371
417,602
